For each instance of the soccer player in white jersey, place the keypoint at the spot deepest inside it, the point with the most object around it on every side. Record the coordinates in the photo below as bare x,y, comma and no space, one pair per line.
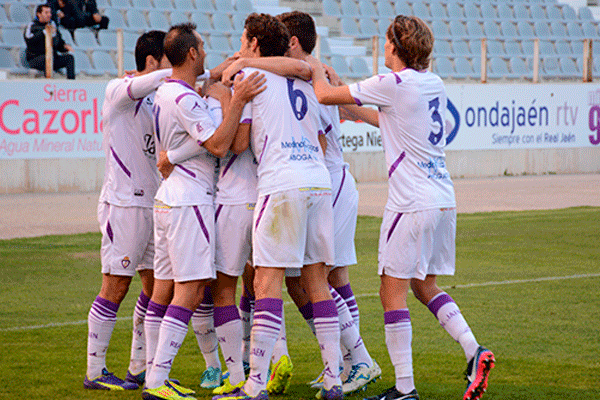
125,211
417,240
293,218
184,210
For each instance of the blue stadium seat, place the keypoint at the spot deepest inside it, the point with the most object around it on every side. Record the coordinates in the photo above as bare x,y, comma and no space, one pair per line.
325,49
116,18
137,21
519,68
554,12
563,48
461,47
107,39
438,11
525,30
340,65
513,48
569,68
238,22
367,9
213,59
440,29
442,48
537,12
359,67
104,63
83,64
179,17
474,29
350,27
542,30
420,10
244,7
457,29
385,9
574,30
142,5
509,30
505,12
184,5
129,61
163,5
551,67
368,27
383,25
497,68
547,48
403,8
472,11
205,5
577,45
590,30
569,12
495,48
521,12
443,67
203,23
455,11
222,23
491,29
488,11
158,20
331,7
13,37
66,35
224,6
7,62
463,68
220,44
558,29
85,39
129,40
102,3
585,14
19,14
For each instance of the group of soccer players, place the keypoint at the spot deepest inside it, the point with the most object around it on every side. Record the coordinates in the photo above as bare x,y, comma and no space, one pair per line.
254,185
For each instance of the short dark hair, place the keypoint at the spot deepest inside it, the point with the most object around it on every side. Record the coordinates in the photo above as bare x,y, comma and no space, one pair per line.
179,40
151,43
40,7
272,36
301,25
412,40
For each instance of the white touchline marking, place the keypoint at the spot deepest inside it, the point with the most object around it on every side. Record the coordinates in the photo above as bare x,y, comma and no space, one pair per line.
287,303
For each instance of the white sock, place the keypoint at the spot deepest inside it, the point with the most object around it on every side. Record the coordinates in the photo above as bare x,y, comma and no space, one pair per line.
307,313
280,349
265,330
137,361
173,329
154,317
348,296
246,311
327,325
228,328
448,314
101,322
204,329
398,338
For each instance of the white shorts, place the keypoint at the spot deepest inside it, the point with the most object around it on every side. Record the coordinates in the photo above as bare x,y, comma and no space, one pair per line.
127,241
293,228
233,228
417,244
185,242
345,209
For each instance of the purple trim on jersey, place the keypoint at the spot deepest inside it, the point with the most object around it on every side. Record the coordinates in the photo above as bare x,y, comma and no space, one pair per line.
219,208
380,77
182,95
184,83
262,210
437,303
118,160
398,79
396,163
231,160
341,186
393,226
130,94
246,121
357,101
156,123
137,107
223,315
109,231
320,132
263,149
201,221
179,313
187,171
328,129
391,317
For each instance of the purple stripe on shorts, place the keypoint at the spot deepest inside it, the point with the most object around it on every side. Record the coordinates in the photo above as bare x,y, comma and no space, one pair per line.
246,121
179,313
201,221
341,186
219,208
357,101
137,107
396,163
391,317
437,303
118,160
325,308
109,231
263,149
182,95
272,305
262,210
156,122
231,160
187,171
225,314
107,303
393,226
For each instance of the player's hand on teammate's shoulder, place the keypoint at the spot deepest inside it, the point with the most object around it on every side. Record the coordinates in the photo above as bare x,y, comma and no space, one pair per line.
217,90
246,88
217,72
229,72
333,77
164,165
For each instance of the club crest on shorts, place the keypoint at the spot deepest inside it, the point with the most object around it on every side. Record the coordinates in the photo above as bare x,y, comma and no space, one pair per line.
125,262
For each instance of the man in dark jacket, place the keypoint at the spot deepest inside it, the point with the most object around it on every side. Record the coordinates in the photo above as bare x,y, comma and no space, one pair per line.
74,14
35,38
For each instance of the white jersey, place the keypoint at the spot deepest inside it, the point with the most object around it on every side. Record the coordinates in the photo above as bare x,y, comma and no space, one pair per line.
334,158
181,113
412,109
284,135
130,176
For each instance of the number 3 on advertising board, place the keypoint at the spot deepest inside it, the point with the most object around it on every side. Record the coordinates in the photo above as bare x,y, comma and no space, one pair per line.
435,138
294,95
594,124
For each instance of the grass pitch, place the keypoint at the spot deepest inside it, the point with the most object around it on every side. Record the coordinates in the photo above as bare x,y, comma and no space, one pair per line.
527,282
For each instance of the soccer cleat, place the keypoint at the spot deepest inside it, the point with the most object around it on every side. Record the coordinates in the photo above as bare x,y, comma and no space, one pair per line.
239,394
139,378
478,370
335,393
246,365
281,376
211,378
181,389
393,394
317,383
164,392
108,381
360,376
227,387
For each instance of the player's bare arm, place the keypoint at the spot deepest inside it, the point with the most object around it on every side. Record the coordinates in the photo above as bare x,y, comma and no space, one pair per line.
284,66
326,93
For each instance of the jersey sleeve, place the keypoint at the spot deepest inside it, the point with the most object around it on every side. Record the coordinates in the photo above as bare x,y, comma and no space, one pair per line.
326,118
377,90
122,92
194,117
188,149
246,117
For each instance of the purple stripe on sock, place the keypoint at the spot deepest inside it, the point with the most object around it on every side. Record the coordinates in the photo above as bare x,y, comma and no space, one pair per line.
345,291
109,231
226,314
306,311
437,303
179,313
391,317
393,226
245,305
262,210
187,171
219,208
107,304
266,316
341,186
118,160
272,305
396,163
325,308
157,309
228,165
102,312
263,149
201,221
143,300
207,297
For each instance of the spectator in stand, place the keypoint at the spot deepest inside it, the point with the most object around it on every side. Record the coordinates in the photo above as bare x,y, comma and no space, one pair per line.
35,38
73,14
